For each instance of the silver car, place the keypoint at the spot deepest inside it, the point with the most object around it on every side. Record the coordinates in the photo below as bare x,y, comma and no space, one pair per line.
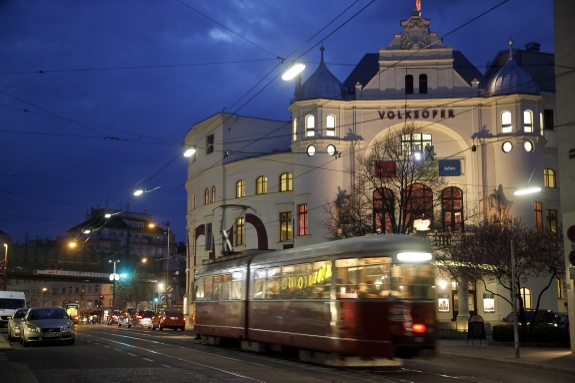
47,324
14,324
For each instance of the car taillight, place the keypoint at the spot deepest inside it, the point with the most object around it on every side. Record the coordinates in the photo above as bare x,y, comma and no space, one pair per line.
418,328
138,317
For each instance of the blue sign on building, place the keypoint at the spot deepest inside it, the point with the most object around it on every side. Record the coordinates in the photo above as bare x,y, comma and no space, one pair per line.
449,168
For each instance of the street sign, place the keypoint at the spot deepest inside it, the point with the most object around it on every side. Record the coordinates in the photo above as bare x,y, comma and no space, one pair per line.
170,288
162,298
169,295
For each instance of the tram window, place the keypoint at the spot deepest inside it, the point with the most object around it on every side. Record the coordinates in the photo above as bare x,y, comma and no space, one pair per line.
199,289
259,279
363,277
319,281
412,281
208,288
272,285
236,289
226,287
217,288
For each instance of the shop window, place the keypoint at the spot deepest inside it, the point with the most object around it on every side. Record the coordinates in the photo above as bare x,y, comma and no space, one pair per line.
488,303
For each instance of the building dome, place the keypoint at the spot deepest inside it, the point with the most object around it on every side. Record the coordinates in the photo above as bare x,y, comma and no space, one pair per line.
511,78
321,84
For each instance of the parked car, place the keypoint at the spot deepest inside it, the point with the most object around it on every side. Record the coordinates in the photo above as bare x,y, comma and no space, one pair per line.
47,324
544,317
562,320
113,317
142,318
125,318
14,324
169,318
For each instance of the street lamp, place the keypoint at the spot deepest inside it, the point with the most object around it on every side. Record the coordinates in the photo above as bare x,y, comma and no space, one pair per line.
114,277
5,267
167,262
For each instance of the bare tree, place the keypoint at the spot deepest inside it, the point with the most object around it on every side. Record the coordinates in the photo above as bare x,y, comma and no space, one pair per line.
135,290
394,186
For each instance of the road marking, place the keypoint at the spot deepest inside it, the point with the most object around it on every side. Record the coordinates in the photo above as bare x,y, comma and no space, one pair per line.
149,360
129,353
3,357
165,365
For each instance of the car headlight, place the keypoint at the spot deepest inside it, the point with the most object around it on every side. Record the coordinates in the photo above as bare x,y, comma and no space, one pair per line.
66,328
32,328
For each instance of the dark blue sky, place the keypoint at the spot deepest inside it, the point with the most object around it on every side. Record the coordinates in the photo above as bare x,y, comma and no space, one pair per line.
123,81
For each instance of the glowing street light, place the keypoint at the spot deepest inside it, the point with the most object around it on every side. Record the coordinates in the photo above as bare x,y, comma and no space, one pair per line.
293,71
527,191
189,152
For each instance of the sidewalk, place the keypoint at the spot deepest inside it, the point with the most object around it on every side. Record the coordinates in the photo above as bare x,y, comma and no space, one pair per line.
13,372
550,359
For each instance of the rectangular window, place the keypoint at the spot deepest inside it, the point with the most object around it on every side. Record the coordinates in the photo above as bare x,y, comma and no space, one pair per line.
96,289
551,218
548,119
210,144
330,126
559,288
240,233
415,142
285,226
506,124
302,219
208,236
527,121
538,216
488,303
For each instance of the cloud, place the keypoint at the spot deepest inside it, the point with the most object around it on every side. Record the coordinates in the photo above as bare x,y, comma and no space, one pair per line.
219,35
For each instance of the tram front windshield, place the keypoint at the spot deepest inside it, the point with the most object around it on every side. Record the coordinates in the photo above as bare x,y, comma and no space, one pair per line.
380,278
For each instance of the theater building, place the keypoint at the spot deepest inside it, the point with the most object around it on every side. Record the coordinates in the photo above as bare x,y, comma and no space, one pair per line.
264,182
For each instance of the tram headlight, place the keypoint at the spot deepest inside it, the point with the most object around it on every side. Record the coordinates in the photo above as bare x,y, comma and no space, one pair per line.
414,257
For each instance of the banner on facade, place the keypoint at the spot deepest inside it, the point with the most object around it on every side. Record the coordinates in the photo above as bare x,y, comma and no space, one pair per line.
449,168
385,169
71,273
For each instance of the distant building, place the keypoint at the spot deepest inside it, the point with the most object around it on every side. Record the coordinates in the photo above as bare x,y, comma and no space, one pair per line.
264,183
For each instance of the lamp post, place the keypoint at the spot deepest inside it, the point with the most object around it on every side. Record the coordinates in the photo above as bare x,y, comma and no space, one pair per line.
514,303
168,300
5,266
114,277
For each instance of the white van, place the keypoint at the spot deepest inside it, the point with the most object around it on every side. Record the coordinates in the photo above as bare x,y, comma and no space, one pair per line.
10,301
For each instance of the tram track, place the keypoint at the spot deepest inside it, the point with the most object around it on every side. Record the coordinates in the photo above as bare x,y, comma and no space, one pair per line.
279,365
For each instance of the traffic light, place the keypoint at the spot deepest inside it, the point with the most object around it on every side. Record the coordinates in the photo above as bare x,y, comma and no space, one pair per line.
156,299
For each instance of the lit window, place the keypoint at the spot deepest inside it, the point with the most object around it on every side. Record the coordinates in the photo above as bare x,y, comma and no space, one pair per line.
528,145
506,126
559,288
261,185
422,83
295,129
452,206
213,194
538,216
210,144
507,146
415,142
551,217
240,231
528,121
206,196
331,150
240,189
310,126
302,219
409,84
286,182
419,203
549,178
285,226
330,126
310,150
526,296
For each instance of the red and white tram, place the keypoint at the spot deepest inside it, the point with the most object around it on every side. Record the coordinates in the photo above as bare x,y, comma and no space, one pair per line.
363,298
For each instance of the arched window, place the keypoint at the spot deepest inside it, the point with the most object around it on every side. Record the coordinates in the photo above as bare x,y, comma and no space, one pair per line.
549,178
206,196
423,84
506,125
309,125
213,194
409,84
240,189
286,182
526,296
383,210
418,204
295,129
193,202
452,206
528,121
261,185
330,125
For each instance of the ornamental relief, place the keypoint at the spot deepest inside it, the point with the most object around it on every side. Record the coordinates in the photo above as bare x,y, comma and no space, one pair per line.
415,34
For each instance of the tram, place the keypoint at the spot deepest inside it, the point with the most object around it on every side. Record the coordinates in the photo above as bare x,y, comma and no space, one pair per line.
337,303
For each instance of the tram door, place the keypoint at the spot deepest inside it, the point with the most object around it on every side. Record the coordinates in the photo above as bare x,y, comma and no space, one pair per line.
471,296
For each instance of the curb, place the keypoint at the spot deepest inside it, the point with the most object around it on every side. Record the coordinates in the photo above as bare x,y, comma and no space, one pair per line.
519,363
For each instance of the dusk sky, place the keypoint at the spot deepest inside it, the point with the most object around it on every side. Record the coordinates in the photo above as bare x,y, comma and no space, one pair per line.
96,96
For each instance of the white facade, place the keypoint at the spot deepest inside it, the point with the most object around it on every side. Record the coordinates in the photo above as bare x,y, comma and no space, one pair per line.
465,113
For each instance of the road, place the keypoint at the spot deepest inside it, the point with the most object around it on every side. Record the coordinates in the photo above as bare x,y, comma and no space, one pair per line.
111,354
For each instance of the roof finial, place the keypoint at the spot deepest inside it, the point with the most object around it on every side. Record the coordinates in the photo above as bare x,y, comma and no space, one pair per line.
418,6
510,49
321,49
